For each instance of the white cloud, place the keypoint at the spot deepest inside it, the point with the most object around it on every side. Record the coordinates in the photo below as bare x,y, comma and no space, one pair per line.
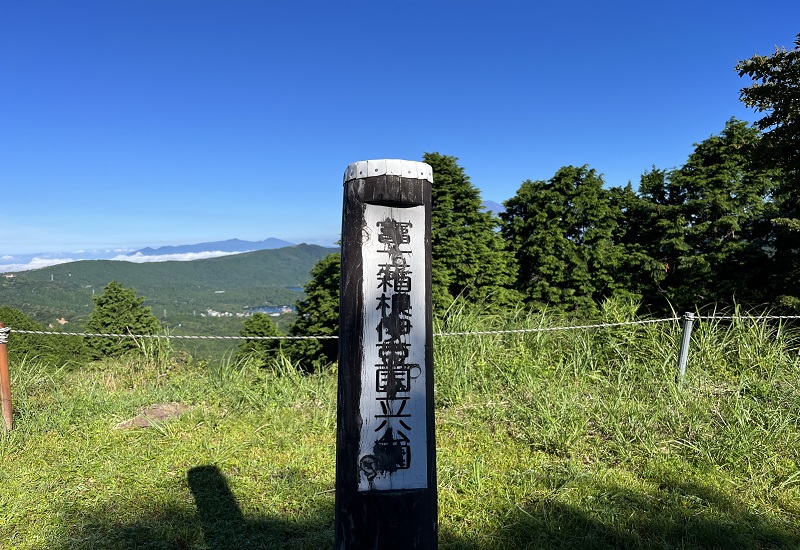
33,263
140,258
28,263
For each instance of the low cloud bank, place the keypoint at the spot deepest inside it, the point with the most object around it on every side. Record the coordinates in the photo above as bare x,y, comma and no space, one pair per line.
140,258
32,263
9,264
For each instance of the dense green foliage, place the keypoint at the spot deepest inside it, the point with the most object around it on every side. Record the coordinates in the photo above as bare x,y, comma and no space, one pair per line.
695,235
775,91
698,235
560,440
58,351
692,236
717,201
258,351
469,257
318,315
562,232
723,227
118,311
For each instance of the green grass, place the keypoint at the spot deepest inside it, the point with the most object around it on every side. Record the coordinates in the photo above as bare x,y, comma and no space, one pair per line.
576,439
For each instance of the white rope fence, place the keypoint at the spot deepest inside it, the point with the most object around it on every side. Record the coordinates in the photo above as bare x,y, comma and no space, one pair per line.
174,336
553,329
4,332
687,319
744,317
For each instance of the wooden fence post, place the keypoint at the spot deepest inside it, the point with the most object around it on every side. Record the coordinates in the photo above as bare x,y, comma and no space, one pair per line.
386,494
5,380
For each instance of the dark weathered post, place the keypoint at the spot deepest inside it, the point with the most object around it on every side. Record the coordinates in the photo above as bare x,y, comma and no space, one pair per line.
385,448
5,380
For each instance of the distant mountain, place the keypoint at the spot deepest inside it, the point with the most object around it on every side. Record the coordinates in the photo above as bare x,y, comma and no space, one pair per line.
231,245
493,207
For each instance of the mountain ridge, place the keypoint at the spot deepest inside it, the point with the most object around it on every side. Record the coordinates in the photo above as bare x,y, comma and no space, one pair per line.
229,245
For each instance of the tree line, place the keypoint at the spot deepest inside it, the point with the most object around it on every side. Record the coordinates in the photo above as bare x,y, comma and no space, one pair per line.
724,227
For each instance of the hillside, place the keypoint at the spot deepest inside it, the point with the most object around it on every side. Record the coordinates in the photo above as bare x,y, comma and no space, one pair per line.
229,283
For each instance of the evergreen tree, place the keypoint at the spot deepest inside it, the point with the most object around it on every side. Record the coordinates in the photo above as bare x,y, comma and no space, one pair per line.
698,231
640,238
470,259
775,91
53,350
257,350
117,310
318,315
720,197
562,233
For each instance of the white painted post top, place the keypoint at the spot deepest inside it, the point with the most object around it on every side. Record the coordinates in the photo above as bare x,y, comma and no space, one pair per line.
389,167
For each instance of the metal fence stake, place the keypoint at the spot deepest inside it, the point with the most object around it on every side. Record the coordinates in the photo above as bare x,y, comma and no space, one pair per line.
686,336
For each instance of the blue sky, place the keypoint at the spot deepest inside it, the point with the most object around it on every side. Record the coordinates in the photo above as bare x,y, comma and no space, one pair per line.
133,123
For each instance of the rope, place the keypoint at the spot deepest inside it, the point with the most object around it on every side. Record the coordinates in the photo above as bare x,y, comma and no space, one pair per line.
5,331
186,337
744,317
176,336
553,329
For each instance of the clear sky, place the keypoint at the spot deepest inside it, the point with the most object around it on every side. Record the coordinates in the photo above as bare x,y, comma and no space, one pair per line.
132,123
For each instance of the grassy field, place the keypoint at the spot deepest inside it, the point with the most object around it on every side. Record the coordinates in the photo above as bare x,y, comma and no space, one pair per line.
575,439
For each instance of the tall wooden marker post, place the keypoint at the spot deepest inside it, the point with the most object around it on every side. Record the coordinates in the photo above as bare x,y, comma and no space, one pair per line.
385,447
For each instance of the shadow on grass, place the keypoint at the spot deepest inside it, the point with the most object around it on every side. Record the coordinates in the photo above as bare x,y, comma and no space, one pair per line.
681,515
224,526
215,522
678,515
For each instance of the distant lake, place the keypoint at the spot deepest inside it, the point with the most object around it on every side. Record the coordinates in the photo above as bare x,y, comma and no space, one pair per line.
295,288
